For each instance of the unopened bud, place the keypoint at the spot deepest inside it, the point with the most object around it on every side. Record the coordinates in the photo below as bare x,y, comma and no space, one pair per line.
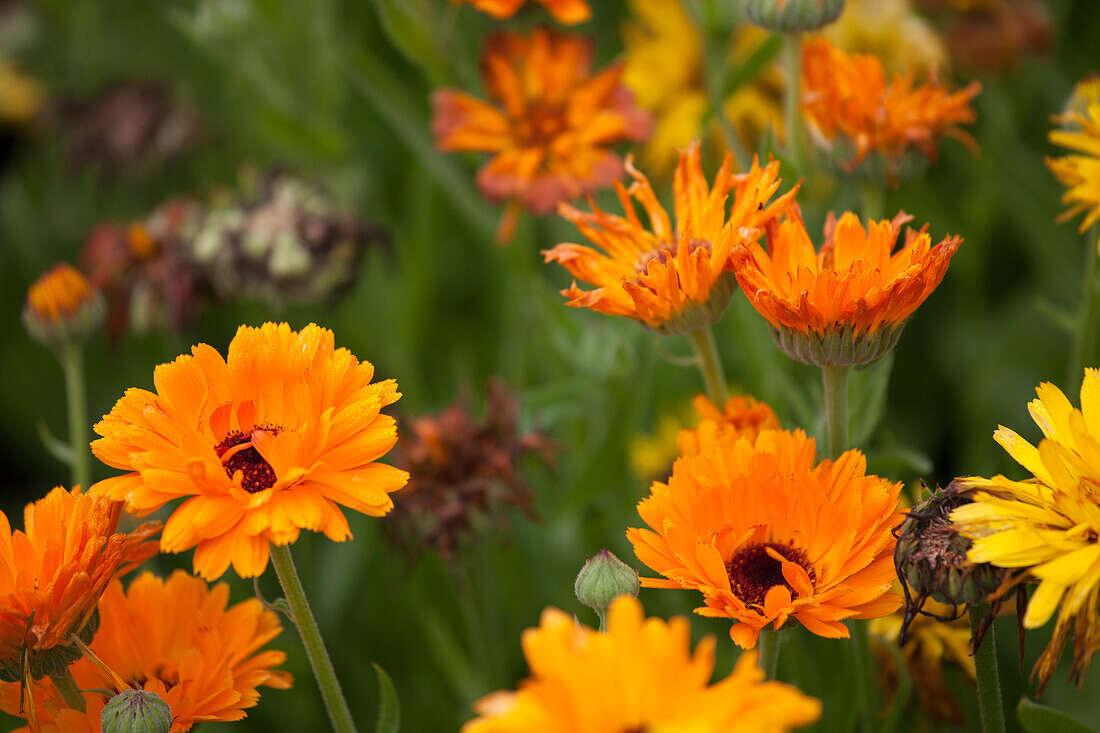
136,711
791,16
602,578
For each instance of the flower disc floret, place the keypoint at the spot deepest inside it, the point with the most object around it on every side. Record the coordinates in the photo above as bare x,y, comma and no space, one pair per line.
262,444
765,535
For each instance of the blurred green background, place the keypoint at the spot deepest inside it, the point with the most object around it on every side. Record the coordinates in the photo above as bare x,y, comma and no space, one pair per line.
322,89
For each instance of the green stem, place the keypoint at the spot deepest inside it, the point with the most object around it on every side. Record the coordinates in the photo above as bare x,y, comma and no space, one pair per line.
874,202
76,400
69,691
866,687
1084,351
706,352
989,683
602,613
768,646
792,53
335,703
836,408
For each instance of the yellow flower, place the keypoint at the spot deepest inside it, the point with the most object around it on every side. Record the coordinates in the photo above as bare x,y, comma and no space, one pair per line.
639,676
21,96
891,31
1080,173
664,68
177,638
1047,528
767,536
263,444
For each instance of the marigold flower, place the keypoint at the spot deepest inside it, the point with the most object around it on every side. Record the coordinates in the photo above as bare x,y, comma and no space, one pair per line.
52,573
265,443
845,305
765,535
640,675
62,307
569,12
547,123
854,112
674,281
1079,173
1046,528
178,638
742,417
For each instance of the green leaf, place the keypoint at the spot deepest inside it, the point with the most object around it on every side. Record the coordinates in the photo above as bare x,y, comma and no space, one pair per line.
903,693
868,399
764,54
389,709
1036,718
408,25
56,447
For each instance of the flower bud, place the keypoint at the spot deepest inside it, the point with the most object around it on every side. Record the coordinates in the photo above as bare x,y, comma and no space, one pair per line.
136,711
790,16
63,307
602,578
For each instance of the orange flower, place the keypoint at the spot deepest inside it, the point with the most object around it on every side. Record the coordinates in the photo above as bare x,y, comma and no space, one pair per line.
547,124
845,305
179,639
765,535
640,675
62,306
265,443
674,281
569,12
53,572
854,112
742,417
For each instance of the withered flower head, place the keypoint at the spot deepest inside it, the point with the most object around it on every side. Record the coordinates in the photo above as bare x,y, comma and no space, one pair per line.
461,471
931,561
991,36
128,125
282,240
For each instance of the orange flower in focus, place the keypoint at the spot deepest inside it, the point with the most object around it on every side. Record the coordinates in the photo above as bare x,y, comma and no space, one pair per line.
569,12
547,122
765,535
52,574
845,305
179,639
639,676
854,112
263,444
742,417
674,281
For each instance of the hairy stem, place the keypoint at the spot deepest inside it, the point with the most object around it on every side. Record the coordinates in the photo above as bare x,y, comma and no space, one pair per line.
706,352
989,682
76,402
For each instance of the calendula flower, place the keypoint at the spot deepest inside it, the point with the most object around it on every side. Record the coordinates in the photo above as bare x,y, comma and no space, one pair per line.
1080,172
263,444
63,307
664,68
569,12
741,417
177,638
52,573
548,122
893,32
1045,529
765,535
640,675
846,304
932,641
882,130
674,281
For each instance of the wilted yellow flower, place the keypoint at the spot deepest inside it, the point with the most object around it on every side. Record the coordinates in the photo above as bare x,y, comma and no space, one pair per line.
1047,528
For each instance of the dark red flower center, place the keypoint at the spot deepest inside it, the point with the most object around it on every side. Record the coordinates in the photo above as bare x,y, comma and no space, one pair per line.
668,252
238,454
753,572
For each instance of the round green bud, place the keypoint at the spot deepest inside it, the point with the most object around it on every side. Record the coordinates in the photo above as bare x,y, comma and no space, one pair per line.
791,16
602,578
136,711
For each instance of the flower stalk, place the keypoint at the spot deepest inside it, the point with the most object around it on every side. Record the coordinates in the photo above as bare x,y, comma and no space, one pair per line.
1084,350
69,691
335,703
836,407
768,646
76,403
710,364
792,54
985,664
866,687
